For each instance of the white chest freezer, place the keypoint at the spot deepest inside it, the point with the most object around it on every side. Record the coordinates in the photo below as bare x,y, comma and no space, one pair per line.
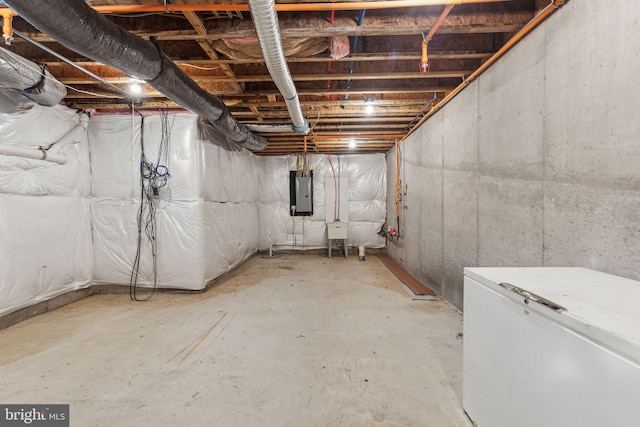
551,347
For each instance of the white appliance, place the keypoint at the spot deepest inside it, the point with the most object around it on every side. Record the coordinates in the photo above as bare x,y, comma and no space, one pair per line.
551,347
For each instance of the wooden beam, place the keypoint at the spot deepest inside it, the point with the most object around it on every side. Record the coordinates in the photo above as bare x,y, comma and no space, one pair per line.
207,46
298,77
357,57
300,27
407,29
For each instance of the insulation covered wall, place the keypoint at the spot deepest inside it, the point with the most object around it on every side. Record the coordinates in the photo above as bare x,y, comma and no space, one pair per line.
535,163
45,213
206,221
367,201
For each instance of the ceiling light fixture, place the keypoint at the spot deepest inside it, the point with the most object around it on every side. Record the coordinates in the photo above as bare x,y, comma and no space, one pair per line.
352,144
368,105
135,85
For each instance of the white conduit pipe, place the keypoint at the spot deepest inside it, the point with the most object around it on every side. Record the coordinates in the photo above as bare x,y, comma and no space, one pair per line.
32,153
41,154
265,20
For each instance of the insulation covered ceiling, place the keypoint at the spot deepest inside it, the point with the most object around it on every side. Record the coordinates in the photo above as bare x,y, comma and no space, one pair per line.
356,65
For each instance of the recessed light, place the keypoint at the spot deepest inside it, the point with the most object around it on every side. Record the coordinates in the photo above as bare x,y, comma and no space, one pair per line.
135,88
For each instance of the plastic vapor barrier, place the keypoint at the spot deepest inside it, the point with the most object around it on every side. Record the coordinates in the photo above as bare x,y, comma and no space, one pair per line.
367,201
206,216
67,226
45,216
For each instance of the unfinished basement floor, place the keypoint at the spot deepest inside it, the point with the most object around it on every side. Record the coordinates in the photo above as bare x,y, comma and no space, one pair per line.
298,340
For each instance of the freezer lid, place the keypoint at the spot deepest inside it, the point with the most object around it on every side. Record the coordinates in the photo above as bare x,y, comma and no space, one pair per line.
598,305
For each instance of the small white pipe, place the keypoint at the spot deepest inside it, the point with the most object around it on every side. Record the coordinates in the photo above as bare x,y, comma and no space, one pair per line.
32,153
38,154
361,252
72,134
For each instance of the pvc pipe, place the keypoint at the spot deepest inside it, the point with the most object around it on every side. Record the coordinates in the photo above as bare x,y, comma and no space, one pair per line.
42,154
361,252
32,153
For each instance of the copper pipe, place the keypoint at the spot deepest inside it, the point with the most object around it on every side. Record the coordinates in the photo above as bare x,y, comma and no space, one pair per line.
7,23
424,65
540,17
439,22
398,189
285,7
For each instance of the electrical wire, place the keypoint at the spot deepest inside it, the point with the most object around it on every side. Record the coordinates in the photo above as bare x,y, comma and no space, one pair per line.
154,180
317,119
199,67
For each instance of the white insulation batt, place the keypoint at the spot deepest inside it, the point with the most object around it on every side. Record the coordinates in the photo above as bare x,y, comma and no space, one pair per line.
366,177
68,226
207,221
45,214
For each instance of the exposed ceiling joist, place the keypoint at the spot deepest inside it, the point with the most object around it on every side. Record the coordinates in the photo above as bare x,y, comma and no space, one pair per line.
381,69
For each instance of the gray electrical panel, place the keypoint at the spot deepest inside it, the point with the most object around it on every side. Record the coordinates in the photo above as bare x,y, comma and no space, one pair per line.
304,199
301,192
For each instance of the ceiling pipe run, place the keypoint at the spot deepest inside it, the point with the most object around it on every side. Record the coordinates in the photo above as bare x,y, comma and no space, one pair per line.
265,21
78,27
284,7
540,17
425,67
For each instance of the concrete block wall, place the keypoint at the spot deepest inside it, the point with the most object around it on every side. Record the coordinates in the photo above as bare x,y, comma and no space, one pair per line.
535,163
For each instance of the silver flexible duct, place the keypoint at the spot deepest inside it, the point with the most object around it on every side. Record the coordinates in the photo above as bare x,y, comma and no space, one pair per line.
265,20
31,79
270,128
78,27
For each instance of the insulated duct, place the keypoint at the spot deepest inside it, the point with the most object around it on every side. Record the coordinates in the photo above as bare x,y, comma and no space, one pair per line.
265,20
270,128
78,27
31,79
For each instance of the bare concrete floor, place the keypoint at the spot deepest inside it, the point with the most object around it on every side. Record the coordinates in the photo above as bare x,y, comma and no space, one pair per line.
299,340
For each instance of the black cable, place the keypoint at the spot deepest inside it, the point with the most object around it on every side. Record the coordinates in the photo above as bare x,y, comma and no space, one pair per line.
145,173
153,186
